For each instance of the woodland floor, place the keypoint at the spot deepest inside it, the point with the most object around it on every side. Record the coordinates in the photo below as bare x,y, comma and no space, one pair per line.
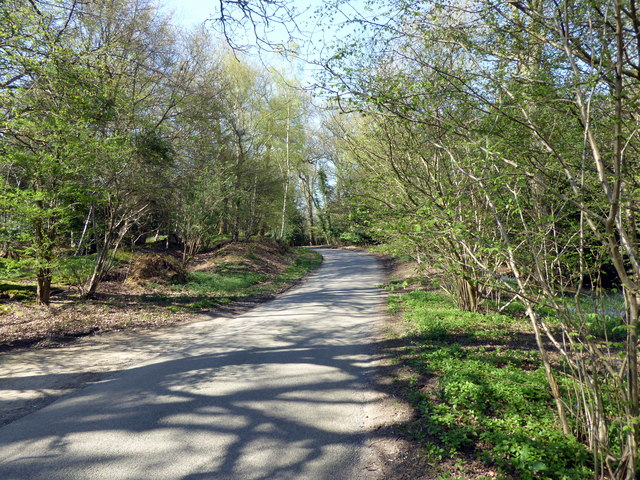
119,305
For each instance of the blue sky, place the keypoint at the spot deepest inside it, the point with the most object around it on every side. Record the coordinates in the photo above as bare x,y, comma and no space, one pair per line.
190,12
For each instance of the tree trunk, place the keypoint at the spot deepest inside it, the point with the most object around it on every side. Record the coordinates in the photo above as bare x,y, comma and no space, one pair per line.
84,231
631,288
96,276
252,227
632,433
44,256
286,178
308,195
467,292
112,239
43,286
553,384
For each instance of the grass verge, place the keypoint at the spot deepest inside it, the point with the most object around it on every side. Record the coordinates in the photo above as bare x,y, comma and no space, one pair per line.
480,393
235,282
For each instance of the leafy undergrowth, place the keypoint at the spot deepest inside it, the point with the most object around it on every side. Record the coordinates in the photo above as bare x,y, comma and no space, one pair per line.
480,393
66,271
228,279
235,273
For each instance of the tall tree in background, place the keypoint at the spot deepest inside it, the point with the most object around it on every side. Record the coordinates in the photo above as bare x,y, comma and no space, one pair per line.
146,77
285,140
201,178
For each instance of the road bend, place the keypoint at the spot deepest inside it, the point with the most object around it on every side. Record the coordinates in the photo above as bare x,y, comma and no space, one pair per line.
277,393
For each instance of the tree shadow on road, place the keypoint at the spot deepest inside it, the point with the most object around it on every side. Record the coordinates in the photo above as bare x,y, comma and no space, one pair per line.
194,400
245,411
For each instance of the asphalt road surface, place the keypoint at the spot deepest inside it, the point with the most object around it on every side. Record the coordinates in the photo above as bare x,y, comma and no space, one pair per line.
280,392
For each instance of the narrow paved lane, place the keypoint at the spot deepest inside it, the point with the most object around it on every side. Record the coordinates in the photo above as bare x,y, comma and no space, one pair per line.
277,393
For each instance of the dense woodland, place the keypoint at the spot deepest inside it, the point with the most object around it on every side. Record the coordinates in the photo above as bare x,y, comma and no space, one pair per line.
494,142
116,125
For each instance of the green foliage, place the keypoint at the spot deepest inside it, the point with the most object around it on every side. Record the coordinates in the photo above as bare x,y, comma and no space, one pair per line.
603,315
232,281
226,282
355,238
18,292
68,270
394,304
491,398
11,269
295,233
73,270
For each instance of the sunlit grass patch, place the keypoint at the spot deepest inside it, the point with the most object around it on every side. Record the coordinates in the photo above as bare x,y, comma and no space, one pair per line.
232,281
228,283
434,315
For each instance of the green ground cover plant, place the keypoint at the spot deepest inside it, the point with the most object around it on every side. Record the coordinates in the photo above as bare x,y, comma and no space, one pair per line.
488,397
12,270
603,314
228,282
233,281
